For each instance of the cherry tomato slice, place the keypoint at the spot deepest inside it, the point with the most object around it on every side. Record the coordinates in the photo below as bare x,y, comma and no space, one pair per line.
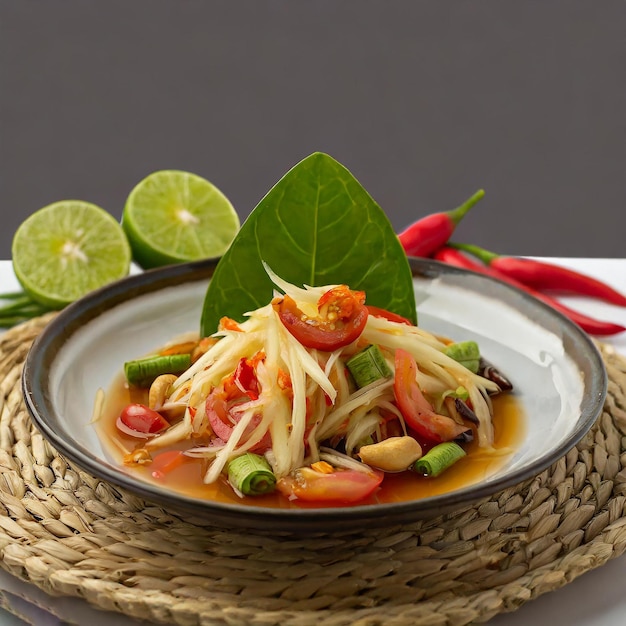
341,321
416,410
143,419
340,487
375,311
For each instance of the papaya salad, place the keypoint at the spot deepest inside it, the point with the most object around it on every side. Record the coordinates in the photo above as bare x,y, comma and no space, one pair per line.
316,396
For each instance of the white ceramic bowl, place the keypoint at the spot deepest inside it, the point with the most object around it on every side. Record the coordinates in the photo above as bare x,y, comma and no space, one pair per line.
557,372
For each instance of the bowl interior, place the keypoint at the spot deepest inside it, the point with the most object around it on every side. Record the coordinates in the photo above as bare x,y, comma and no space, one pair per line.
558,375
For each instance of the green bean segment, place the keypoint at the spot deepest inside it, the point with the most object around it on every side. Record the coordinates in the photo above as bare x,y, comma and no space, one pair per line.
142,372
439,459
368,366
251,474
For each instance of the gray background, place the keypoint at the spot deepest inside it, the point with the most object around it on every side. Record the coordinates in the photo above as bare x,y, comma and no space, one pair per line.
424,102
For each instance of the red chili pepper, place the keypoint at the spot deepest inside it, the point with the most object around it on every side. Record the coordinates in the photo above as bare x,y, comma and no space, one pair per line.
545,276
455,257
452,256
246,380
427,235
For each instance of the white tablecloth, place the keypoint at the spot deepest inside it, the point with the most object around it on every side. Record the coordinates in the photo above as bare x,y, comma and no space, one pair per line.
598,598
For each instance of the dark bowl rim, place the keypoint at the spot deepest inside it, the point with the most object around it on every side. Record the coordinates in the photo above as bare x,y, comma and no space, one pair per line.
41,355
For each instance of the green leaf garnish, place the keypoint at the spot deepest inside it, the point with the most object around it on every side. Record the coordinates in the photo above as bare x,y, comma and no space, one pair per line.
316,226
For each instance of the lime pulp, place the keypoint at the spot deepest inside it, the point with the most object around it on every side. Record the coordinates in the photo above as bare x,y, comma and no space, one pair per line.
173,216
67,249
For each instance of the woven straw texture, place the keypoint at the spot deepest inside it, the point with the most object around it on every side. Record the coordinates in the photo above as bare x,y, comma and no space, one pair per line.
72,534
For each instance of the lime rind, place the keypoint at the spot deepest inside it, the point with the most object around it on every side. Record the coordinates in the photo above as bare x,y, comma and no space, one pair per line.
172,216
67,249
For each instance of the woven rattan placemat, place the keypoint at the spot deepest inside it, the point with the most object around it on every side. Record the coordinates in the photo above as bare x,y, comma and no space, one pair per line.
72,534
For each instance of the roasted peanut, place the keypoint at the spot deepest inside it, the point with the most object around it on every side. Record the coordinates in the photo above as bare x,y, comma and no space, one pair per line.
159,390
392,455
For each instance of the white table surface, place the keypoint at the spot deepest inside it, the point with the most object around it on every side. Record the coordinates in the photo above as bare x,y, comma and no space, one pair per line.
597,598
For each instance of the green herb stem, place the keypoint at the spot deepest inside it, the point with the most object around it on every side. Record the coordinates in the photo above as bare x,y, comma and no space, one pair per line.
25,306
9,322
20,308
13,295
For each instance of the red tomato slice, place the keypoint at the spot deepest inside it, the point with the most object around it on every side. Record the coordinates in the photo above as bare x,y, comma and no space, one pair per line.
143,419
375,311
342,486
341,321
416,410
165,462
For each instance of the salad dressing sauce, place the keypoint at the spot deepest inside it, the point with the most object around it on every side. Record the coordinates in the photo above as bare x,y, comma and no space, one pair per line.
404,486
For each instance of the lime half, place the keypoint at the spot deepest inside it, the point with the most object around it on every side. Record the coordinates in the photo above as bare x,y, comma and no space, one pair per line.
68,249
173,216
